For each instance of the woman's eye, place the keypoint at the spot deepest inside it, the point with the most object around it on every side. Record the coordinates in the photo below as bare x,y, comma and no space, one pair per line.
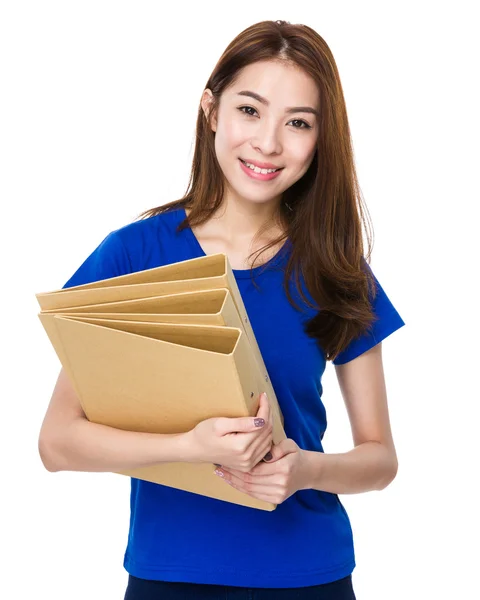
248,108
303,124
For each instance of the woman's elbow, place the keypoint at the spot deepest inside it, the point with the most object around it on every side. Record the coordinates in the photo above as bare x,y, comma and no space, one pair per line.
48,453
390,473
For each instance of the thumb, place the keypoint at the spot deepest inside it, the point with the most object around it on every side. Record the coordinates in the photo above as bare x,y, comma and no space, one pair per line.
247,424
226,425
278,451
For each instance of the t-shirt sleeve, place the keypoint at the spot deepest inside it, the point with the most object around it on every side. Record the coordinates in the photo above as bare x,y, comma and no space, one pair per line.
388,320
109,259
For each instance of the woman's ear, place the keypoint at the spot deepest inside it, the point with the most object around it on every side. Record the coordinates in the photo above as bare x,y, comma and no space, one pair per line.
206,102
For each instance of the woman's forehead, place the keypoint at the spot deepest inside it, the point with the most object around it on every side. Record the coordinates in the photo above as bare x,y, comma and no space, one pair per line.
277,83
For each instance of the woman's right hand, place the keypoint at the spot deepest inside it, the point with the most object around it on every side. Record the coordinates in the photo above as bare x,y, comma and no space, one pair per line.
235,443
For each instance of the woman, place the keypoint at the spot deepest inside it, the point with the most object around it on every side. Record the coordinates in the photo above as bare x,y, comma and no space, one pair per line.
273,178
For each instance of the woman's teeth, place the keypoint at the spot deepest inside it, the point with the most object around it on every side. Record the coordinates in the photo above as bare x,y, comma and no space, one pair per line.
257,169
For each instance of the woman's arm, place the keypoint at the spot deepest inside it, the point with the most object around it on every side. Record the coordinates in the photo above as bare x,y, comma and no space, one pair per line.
372,464
69,442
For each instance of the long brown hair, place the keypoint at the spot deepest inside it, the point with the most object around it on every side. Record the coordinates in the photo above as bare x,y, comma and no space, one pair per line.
322,212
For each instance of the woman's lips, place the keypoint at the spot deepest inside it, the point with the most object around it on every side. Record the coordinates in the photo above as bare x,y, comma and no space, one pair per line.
259,176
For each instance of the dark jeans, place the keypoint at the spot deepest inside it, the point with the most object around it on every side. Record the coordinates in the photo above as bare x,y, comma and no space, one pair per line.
144,589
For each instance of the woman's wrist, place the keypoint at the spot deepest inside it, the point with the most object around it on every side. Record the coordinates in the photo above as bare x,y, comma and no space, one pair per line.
369,466
186,449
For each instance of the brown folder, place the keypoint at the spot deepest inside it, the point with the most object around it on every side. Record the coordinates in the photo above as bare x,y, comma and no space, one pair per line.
133,307
204,273
163,378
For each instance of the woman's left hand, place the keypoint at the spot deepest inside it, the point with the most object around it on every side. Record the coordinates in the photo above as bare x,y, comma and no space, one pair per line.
276,480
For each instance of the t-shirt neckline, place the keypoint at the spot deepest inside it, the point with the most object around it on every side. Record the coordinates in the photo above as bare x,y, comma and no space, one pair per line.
276,260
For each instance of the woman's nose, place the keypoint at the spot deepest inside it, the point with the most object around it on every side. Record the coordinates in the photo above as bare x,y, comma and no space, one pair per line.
267,140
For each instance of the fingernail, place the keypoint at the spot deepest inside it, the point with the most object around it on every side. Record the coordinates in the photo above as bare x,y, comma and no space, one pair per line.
259,422
219,473
268,456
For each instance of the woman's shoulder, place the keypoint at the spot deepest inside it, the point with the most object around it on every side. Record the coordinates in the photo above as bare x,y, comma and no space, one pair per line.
156,229
139,245
164,222
146,240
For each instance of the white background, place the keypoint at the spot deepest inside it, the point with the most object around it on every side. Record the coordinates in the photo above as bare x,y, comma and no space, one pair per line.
98,109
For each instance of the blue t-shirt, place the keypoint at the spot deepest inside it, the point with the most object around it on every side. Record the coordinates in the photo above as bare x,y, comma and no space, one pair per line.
176,535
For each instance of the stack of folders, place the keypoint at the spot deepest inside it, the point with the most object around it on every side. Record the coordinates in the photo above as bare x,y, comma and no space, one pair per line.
159,351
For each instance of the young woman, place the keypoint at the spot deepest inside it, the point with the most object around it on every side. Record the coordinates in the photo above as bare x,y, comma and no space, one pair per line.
273,179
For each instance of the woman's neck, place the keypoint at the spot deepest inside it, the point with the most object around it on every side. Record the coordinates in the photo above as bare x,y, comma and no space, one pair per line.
231,231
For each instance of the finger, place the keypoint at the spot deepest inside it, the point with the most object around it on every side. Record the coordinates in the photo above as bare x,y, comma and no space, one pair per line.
245,479
271,455
228,425
261,446
264,408
263,495
266,490
268,456
262,471
281,450
247,424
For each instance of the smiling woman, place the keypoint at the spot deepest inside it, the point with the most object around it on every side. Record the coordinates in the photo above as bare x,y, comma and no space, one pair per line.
272,177
271,126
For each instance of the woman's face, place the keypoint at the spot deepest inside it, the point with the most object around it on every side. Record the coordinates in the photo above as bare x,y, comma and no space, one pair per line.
266,118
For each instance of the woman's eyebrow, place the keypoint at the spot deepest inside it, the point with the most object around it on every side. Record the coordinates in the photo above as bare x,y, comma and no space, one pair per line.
290,109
